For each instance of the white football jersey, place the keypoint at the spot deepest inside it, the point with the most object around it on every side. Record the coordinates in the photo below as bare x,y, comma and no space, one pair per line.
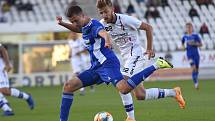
2,64
76,46
125,35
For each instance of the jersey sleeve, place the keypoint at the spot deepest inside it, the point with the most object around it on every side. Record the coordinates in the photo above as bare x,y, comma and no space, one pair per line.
197,38
183,40
96,29
132,21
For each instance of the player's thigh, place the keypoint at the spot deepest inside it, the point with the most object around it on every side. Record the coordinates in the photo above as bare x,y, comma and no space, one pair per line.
89,77
133,65
4,81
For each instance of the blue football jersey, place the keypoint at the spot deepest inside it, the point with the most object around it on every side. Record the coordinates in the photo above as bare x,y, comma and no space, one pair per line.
191,38
95,44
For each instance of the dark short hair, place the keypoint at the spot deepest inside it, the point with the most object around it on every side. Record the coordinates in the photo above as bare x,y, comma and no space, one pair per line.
73,10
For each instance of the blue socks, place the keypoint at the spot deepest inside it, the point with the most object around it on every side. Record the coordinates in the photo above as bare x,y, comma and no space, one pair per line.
67,99
139,77
195,76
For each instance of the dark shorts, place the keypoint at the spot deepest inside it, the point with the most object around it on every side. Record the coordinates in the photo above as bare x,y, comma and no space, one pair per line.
107,72
194,60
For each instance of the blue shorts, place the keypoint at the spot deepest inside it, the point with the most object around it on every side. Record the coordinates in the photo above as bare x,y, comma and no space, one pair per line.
107,72
194,60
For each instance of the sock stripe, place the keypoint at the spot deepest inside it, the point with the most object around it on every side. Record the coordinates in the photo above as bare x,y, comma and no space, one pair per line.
129,108
1,103
161,93
131,83
67,96
20,95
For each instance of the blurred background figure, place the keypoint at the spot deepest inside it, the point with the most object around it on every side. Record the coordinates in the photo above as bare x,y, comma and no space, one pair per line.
79,57
5,89
204,29
192,42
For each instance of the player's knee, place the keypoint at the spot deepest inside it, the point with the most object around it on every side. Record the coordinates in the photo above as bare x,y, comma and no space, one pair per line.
123,88
68,87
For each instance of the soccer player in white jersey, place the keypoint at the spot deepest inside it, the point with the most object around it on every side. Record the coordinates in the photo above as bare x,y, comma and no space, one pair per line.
80,59
4,85
123,30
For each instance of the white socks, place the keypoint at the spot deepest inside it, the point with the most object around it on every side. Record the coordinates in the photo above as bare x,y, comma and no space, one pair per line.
156,93
16,93
4,103
128,104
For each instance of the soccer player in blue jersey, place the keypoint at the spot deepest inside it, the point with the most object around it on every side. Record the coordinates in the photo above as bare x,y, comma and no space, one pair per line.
105,66
191,41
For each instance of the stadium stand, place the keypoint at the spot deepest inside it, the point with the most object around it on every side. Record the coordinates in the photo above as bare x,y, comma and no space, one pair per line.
168,24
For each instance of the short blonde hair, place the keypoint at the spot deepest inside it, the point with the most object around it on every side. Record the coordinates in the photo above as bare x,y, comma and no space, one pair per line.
103,3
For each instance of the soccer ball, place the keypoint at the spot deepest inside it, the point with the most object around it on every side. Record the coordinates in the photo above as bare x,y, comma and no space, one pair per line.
103,116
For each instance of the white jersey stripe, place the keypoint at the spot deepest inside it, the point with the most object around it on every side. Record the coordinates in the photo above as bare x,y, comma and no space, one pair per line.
97,52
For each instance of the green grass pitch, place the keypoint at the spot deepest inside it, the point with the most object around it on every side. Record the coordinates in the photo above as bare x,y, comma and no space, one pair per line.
200,104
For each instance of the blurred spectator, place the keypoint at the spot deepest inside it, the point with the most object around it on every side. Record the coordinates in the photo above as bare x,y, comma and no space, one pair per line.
155,13
152,12
153,3
1,15
130,10
11,2
24,6
5,7
148,14
116,6
19,5
140,1
193,12
164,3
28,6
204,29
204,2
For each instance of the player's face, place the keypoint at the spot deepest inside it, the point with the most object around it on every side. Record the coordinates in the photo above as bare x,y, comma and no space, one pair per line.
77,20
106,13
189,29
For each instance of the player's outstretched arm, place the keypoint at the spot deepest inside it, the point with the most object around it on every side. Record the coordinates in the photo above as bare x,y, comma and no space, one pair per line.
67,25
107,38
149,31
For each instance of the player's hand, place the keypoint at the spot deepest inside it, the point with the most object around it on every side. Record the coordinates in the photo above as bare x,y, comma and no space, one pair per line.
107,44
7,67
150,53
59,19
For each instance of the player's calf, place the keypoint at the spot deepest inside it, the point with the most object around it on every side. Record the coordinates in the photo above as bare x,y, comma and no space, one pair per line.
139,93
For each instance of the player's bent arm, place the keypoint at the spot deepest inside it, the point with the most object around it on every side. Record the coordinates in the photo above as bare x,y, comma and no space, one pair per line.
149,31
70,27
199,44
107,38
5,56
